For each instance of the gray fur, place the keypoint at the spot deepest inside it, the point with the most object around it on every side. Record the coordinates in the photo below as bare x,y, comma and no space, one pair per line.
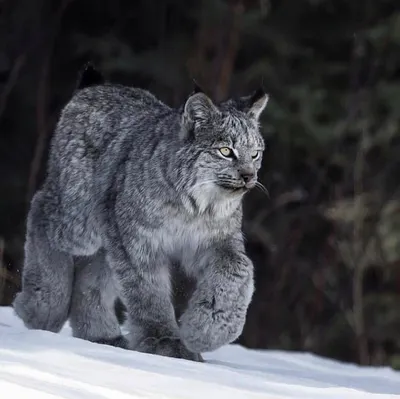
92,309
133,189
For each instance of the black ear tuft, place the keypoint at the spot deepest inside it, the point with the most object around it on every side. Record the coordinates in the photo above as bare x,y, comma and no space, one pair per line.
89,76
257,95
196,88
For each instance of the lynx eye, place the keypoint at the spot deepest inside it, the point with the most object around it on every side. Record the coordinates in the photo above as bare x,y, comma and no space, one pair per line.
255,154
226,152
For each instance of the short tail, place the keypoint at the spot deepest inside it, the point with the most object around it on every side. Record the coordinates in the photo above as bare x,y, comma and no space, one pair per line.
89,76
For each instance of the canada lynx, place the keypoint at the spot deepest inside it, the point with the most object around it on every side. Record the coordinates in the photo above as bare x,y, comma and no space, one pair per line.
135,188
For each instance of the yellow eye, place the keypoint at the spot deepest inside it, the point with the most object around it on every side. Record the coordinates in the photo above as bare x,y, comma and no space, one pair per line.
255,154
226,152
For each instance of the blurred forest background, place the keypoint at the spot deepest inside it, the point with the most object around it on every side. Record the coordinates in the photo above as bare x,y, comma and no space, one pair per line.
326,241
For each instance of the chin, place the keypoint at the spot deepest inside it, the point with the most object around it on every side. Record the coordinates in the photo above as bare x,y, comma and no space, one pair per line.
234,191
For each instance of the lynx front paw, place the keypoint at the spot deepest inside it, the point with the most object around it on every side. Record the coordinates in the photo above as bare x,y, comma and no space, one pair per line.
205,328
167,347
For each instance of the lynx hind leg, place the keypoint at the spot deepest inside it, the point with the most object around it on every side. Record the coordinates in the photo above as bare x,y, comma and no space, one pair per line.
47,276
92,314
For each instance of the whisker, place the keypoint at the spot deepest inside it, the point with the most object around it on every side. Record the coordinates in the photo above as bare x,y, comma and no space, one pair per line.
263,189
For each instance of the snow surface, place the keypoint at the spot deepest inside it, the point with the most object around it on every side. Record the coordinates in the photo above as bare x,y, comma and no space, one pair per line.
43,365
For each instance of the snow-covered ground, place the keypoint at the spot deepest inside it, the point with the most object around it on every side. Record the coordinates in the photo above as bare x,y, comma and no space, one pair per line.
42,365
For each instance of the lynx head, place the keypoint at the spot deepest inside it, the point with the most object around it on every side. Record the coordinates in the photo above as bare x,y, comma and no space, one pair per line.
226,144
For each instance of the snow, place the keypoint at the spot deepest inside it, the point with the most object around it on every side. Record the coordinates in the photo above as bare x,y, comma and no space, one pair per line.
43,365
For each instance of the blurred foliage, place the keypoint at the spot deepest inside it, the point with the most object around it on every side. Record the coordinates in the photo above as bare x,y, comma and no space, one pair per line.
326,241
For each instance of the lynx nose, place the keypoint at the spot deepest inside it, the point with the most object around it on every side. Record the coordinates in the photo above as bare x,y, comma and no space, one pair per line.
248,177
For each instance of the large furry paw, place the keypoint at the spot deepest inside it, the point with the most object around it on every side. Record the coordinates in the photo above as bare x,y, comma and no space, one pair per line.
37,314
167,347
205,328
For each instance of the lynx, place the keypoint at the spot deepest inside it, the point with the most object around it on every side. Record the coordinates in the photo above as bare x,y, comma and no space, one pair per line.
134,189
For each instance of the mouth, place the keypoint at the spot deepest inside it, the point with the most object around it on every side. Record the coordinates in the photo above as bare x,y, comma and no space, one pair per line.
234,188
250,185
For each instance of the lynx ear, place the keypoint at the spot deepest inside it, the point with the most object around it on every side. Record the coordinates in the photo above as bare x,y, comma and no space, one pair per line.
199,108
257,102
